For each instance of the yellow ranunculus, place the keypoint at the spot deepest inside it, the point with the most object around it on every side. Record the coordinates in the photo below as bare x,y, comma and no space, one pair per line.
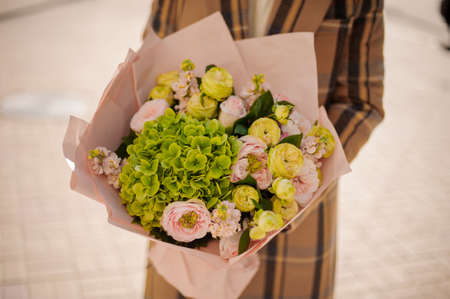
257,233
243,196
326,139
269,221
217,83
201,108
266,129
163,92
283,188
287,210
167,78
285,160
282,113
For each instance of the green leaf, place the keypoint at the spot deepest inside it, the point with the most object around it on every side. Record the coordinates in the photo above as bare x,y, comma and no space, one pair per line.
208,67
256,204
244,241
160,234
262,107
293,139
240,129
249,180
121,151
212,202
285,103
266,204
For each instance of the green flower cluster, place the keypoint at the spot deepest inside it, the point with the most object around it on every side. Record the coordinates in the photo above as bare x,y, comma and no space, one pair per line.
177,157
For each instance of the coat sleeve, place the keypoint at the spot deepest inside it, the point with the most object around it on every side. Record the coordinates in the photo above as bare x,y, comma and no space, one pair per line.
355,103
163,17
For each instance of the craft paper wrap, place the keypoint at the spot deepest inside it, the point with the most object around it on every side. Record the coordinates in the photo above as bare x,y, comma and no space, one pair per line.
288,63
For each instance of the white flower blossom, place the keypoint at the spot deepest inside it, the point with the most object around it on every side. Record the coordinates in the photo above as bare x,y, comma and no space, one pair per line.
225,220
303,124
253,90
296,124
95,159
111,164
307,182
193,87
96,165
311,147
113,180
103,161
185,87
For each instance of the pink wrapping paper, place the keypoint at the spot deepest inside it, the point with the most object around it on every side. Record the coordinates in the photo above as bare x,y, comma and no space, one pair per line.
288,62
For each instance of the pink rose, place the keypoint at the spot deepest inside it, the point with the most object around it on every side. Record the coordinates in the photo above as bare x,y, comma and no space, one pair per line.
151,110
251,145
289,129
231,110
234,105
306,183
263,178
253,149
239,170
186,221
296,124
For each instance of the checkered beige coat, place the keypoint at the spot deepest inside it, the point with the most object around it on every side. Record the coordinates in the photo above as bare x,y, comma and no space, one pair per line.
349,38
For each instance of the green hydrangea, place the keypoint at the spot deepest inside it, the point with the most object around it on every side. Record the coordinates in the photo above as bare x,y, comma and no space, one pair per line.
176,157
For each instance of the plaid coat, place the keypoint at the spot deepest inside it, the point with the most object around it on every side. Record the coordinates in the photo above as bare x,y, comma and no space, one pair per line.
349,39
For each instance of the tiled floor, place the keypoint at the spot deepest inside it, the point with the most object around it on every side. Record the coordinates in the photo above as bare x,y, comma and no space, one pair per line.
394,234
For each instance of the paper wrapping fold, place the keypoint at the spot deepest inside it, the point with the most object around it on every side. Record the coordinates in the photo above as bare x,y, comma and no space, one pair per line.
288,62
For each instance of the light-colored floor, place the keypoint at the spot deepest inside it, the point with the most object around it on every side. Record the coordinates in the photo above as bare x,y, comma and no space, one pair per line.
394,223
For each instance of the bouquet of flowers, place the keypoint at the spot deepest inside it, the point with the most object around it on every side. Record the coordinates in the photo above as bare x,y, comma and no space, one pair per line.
193,169
207,161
